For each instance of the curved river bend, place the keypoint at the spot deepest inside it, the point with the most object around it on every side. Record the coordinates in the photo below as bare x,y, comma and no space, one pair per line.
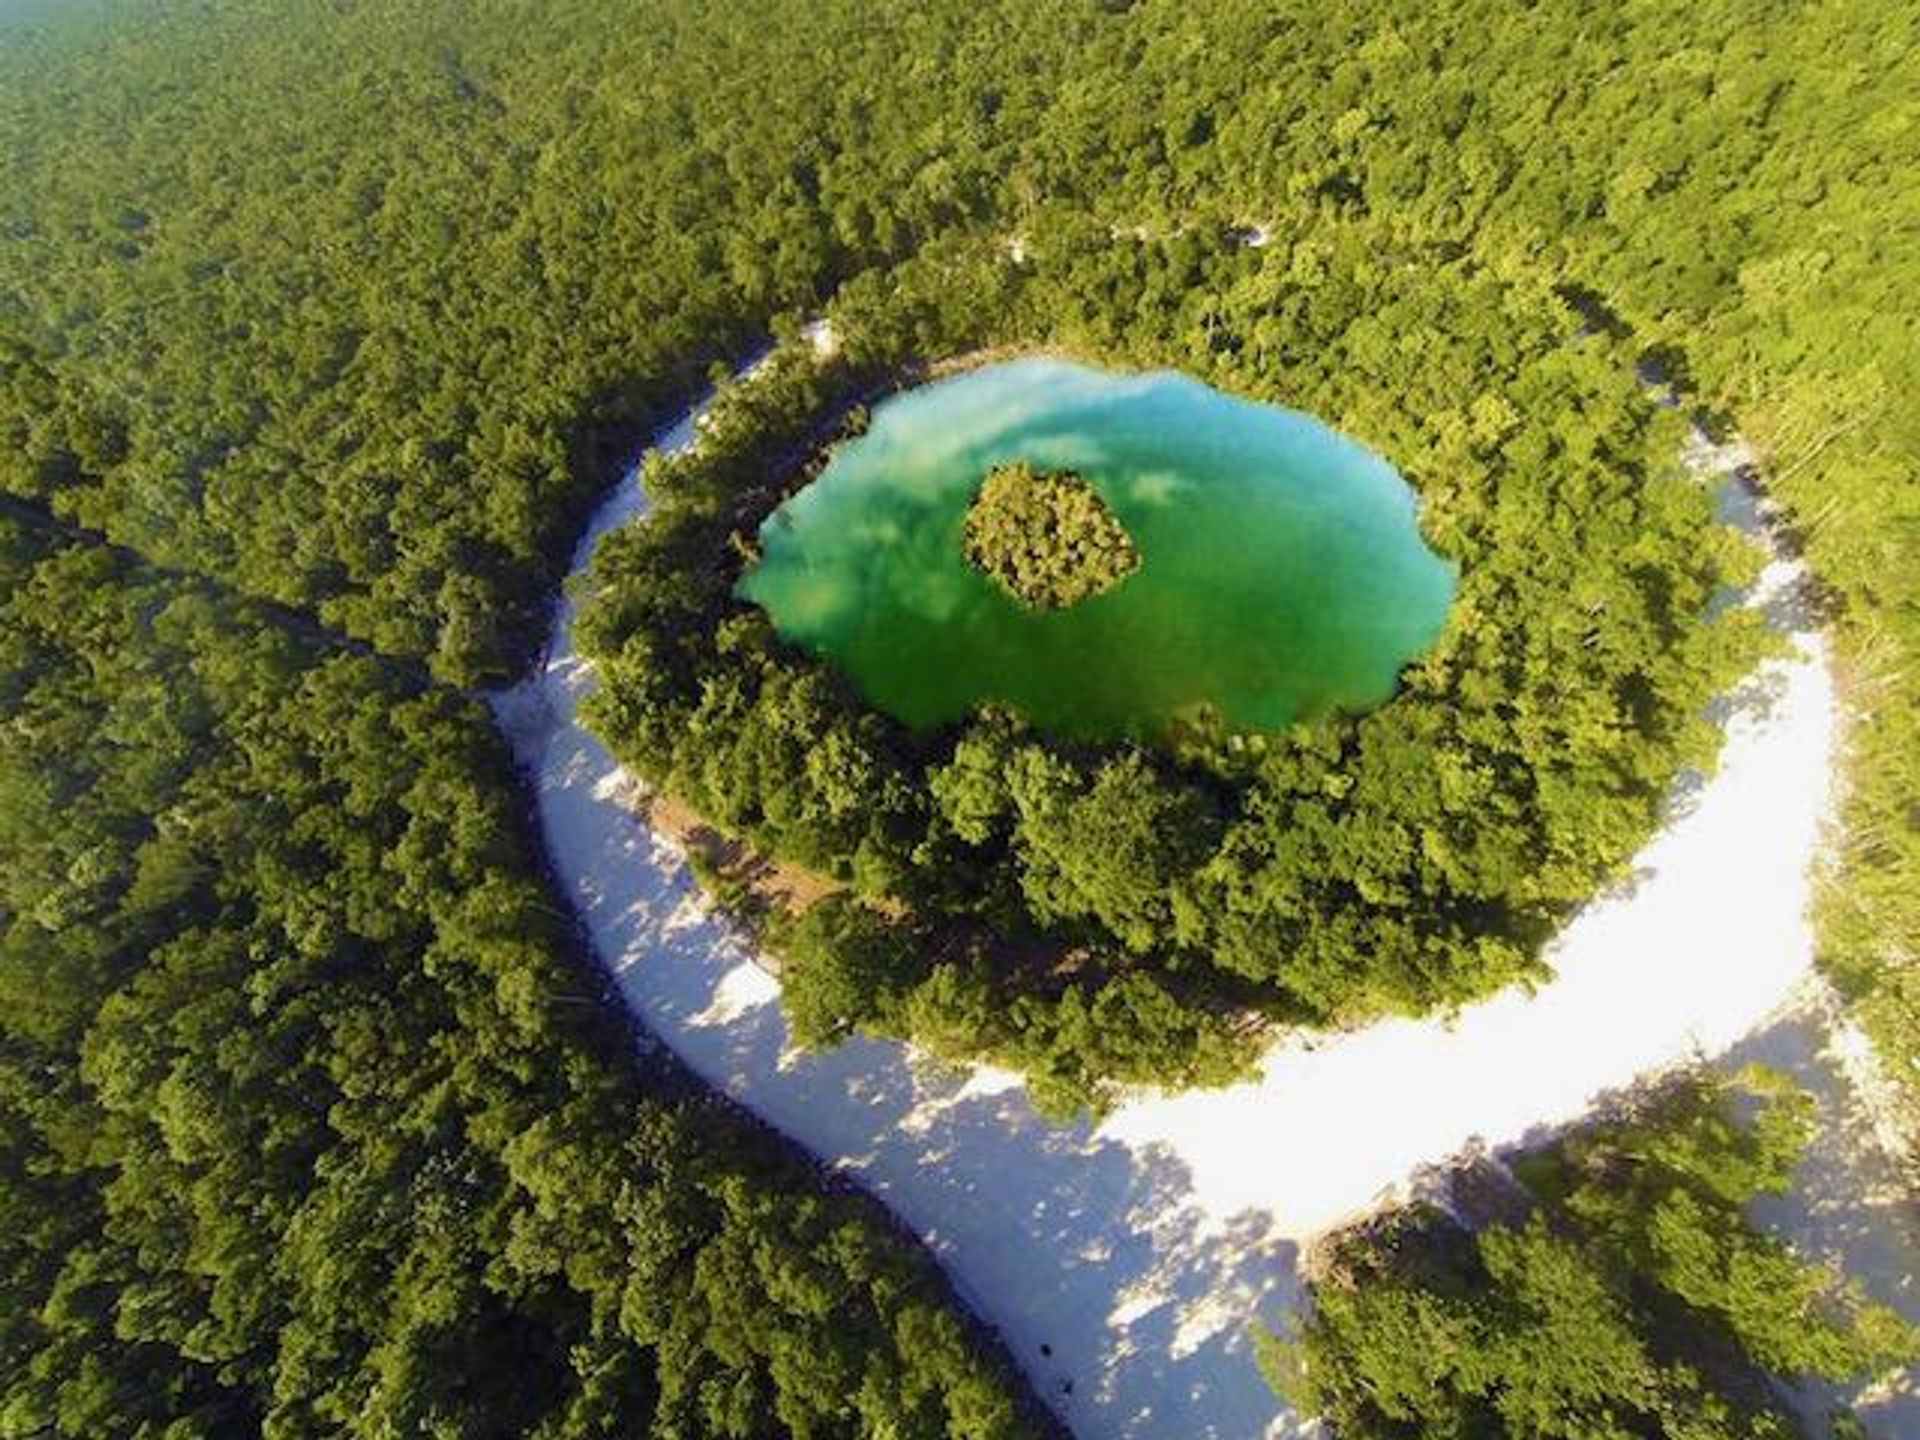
1139,1253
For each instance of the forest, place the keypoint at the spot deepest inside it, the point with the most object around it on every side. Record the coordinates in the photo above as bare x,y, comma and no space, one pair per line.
398,430
1610,1284
314,1119
321,326
1101,914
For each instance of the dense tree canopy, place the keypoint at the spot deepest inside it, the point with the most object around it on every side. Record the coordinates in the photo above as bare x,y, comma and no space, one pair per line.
367,353
1634,1300
306,1122
310,1121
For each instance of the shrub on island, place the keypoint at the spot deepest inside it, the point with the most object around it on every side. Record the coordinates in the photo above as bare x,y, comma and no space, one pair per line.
1046,537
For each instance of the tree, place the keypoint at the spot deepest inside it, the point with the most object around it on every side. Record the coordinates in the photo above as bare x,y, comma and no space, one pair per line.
1635,1299
1046,537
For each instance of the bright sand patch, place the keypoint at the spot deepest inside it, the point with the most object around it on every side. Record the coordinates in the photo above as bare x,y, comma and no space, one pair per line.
1138,1253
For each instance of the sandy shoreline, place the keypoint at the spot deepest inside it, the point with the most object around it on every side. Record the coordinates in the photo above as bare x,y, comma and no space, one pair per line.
1138,1253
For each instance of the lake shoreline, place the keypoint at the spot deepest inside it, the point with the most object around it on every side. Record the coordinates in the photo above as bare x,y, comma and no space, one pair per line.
1194,1234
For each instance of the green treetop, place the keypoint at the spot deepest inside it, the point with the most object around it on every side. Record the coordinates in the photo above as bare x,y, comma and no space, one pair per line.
1046,537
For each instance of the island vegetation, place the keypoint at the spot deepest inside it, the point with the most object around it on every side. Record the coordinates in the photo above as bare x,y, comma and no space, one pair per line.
1616,1287
333,320
1102,913
1046,538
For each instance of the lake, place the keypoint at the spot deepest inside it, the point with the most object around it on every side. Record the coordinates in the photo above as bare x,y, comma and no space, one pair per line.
1281,567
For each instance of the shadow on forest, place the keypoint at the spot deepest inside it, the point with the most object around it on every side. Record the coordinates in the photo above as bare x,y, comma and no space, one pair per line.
1850,1206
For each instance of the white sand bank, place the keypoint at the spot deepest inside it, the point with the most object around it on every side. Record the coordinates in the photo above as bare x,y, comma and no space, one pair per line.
1138,1253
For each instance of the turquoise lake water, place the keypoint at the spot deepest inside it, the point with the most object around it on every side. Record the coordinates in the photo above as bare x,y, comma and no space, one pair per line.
1282,568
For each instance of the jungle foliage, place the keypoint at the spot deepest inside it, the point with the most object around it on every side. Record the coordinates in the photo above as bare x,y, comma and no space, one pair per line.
353,308
314,1120
1635,1299
370,353
1046,537
1102,913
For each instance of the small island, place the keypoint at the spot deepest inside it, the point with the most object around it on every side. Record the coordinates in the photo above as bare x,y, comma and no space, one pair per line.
1106,555
1046,537
1022,847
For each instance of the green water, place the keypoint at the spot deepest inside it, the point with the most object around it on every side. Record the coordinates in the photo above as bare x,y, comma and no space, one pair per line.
1282,569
